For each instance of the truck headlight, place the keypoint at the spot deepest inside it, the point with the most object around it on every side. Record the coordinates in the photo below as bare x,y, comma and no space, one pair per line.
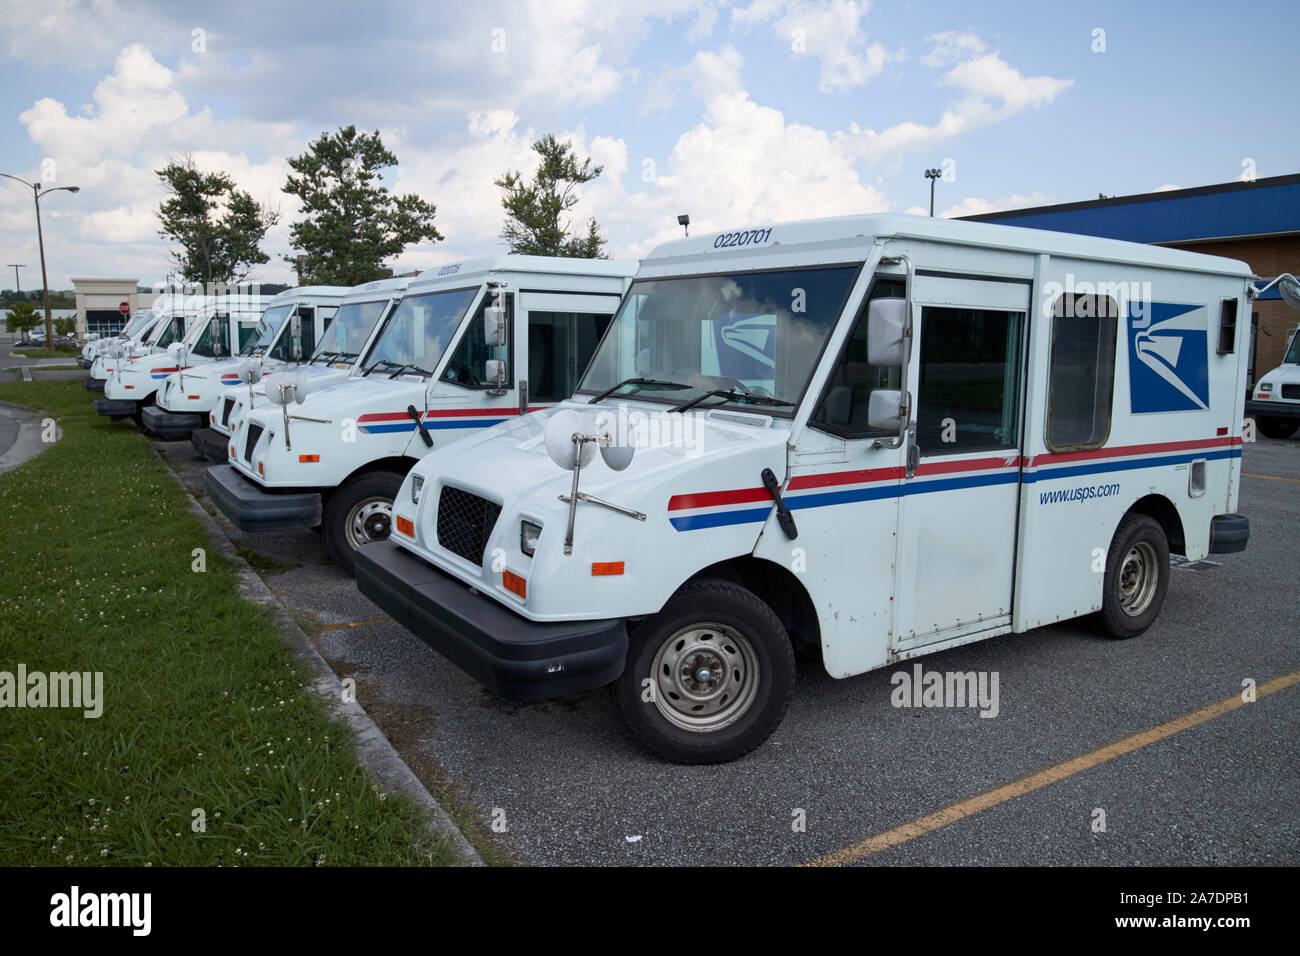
528,535
417,485
1266,386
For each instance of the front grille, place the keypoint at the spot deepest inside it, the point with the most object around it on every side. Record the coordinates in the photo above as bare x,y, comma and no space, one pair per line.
254,433
1291,391
225,415
465,522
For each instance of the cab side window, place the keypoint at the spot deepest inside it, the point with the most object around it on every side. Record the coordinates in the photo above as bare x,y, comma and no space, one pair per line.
843,407
968,395
560,344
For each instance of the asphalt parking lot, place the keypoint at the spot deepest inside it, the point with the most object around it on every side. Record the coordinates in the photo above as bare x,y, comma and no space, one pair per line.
570,786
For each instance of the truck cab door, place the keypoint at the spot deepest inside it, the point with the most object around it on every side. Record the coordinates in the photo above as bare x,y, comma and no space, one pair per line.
557,334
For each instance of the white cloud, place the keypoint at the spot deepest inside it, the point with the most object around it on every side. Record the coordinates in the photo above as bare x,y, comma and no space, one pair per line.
831,31
1167,187
975,206
950,46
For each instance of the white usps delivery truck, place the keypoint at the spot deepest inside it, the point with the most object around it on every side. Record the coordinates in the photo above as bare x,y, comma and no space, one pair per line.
1275,404
283,333
868,437
469,345
337,351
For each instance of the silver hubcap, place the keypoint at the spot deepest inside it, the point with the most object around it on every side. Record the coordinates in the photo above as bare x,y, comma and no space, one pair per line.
706,677
369,520
1138,576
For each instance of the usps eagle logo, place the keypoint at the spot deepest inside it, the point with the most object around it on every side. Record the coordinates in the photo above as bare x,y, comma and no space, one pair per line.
1169,358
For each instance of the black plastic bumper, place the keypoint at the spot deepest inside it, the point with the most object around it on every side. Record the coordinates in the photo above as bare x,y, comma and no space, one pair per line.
1229,533
84,363
92,384
173,425
510,656
116,408
1287,411
253,508
211,444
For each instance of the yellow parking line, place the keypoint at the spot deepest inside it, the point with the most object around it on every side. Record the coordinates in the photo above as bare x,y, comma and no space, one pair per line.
1247,474
347,624
1036,781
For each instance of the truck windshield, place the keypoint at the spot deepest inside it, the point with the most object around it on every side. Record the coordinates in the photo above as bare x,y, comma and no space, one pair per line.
264,334
418,331
347,334
167,331
137,324
1293,353
745,334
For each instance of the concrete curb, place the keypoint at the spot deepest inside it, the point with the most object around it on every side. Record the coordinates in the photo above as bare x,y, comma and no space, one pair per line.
28,444
377,755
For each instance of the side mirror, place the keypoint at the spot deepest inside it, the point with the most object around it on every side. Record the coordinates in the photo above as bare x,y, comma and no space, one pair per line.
885,410
887,332
295,331
495,370
494,326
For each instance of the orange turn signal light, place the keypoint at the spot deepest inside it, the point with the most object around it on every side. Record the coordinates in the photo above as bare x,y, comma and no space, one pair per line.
260,471
514,583
307,458
406,526
192,398
599,568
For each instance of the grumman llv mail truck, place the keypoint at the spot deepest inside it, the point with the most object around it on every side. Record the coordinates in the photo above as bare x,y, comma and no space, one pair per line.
469,345
868,437
337,351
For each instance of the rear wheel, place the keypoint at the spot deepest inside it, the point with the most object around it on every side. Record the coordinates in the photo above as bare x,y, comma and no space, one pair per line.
359,512
709,677
1276,427
1137,577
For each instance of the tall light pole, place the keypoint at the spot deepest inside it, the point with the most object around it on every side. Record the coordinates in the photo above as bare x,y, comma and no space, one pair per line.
932,175
40,238
16,266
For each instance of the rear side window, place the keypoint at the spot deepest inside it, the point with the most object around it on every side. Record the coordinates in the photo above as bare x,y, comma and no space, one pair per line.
1081,380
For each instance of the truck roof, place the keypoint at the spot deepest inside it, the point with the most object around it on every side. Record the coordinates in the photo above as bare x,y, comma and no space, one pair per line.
549,265
312,291
846,237
379,289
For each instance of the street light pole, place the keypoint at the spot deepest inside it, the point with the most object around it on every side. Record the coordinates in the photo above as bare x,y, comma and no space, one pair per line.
40,238
932,175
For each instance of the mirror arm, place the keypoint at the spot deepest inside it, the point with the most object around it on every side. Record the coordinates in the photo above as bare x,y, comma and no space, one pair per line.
906,416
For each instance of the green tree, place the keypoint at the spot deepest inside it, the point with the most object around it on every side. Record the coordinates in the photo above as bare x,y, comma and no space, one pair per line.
535,210
351,223
219,228
65,325
22,318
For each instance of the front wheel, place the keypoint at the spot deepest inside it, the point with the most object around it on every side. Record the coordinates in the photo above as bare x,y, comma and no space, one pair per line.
1276,427
709,677
359,512
1137,576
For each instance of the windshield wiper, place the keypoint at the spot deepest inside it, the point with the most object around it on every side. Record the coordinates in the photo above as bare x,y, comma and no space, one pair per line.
331,356
642,382
379,363
731,395
402,368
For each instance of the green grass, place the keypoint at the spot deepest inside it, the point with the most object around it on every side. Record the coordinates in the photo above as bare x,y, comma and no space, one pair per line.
204,705
41,353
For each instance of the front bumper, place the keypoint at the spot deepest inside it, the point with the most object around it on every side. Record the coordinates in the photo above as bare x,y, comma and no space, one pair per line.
510,656
92,384
211,444
116,408
252,508
1287,411
172,425
84,363
1229,534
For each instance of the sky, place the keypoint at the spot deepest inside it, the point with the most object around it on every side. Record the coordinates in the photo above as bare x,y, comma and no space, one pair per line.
740,114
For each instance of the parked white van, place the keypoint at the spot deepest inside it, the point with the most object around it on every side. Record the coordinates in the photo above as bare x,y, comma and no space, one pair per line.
95,345
280,336
336,353
126,349
134,383
1275,405
469,345
868,437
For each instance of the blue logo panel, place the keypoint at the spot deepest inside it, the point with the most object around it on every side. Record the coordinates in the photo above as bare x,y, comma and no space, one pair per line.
1168,358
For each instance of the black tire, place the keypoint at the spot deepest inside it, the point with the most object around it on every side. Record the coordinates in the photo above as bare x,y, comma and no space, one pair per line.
1130,599
1276,427
749,638
372,487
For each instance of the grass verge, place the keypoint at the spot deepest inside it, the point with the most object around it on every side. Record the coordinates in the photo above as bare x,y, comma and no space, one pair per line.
205,712
41,353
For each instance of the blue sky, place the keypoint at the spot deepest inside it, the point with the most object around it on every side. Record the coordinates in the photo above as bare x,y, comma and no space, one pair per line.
738,113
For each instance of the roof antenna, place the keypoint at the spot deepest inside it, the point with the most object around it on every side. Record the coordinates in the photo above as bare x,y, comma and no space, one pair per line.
684,220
